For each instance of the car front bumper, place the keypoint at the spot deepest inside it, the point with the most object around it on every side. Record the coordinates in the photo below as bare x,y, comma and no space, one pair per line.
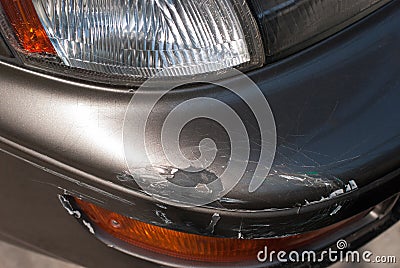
336,111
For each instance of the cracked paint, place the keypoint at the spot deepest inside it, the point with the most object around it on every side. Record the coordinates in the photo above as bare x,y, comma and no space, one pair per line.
68,207
163,217
214,220
89,226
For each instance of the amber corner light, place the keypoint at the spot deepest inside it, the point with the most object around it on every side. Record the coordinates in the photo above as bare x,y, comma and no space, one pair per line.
30,33
191,246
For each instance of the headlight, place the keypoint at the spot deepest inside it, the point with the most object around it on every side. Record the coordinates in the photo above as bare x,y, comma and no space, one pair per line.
122,41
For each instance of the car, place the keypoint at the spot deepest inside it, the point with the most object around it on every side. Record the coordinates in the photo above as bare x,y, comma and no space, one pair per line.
210,133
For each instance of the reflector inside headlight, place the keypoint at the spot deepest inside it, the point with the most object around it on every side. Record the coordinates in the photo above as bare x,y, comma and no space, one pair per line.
138,38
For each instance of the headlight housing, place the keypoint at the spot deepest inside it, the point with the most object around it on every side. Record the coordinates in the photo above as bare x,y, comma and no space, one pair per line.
119,41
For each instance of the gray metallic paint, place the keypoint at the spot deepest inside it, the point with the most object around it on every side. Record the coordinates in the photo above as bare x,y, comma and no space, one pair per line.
336,107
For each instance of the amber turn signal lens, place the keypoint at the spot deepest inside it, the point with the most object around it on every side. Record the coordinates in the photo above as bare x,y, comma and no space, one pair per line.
190,246
26,24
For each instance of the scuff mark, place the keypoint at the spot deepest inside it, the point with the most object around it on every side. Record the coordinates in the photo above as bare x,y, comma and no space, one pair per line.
161,206
76,213
348,187
68,207
288,177
89,226
317,201
336,193
231,200
240,235
336,210
214,220
260,225
353,185
163,217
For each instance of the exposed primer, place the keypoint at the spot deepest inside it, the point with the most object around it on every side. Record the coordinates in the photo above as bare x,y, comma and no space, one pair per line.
289,177
351,186
161,206
67,206
163,217
161,174
214,220
348,187
89,226
152,172
228,200
336,193
240,235
161,182
336,210
318,201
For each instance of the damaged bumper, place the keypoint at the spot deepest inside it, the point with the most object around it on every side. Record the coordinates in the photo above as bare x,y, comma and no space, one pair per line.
336,112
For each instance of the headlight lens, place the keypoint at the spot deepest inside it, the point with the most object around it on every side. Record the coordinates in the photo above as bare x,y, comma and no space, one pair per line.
124,42
135,39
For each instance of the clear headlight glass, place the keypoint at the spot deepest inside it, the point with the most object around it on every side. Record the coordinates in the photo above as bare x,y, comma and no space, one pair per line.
130,40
